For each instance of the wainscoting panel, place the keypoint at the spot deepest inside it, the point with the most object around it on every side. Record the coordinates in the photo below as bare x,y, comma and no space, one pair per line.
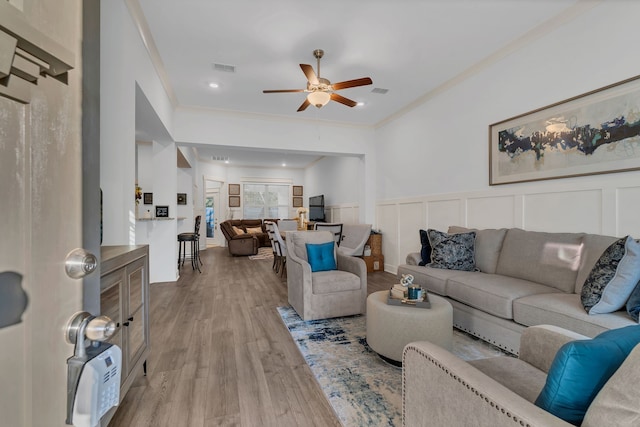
349,214
605,204
387,223
491,212
567,211
410,215
628,211
443,213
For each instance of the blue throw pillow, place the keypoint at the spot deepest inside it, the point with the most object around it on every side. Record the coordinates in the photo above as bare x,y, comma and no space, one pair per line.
321,256
633,303
581,368
425,252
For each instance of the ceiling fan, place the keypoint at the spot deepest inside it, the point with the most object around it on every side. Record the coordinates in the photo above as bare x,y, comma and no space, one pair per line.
321,90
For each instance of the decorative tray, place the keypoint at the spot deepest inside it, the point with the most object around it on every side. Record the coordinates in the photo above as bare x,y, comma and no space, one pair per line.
405,302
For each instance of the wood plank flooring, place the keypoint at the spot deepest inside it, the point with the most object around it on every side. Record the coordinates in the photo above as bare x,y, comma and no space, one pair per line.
220,354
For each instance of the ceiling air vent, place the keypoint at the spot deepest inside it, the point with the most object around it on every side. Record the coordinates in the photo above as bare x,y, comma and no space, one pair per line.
379,90
220,158
225,68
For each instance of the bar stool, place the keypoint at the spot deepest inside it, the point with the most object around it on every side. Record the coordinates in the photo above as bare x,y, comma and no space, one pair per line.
194,238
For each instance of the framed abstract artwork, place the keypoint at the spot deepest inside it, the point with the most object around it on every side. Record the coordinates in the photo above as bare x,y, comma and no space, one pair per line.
297,190
162,211
593,133
148,198
297,202
234,201
182,198
234,189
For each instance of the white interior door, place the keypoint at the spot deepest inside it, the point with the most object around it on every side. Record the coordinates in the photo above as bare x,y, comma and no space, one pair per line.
213,214
41,207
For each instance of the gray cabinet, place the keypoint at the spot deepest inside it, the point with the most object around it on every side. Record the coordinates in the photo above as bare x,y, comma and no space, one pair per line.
124,297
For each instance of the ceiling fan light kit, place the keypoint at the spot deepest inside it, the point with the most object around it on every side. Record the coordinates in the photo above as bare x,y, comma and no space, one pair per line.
320,90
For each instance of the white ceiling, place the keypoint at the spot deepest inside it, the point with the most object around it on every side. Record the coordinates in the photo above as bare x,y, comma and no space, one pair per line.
410,47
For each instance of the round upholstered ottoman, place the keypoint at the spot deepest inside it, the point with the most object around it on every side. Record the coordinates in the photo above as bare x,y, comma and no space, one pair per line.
390,327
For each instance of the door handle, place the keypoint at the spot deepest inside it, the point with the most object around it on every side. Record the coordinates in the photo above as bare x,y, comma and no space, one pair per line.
80,263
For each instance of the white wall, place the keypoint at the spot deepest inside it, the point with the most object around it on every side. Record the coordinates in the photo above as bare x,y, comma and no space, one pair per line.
433,161
341,180
124,63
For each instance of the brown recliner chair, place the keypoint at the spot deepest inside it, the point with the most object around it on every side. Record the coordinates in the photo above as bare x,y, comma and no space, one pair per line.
241,244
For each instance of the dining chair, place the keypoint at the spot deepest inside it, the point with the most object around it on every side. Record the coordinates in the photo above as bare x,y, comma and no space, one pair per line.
335,228
288,225
281,248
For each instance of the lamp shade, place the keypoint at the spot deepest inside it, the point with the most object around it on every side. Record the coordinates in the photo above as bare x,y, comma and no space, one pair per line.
318,98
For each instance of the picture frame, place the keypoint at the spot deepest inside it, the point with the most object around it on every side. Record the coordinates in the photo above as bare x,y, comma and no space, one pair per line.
182,198
297,202
297,190
594,133
162,211
234,201
234,189
147,198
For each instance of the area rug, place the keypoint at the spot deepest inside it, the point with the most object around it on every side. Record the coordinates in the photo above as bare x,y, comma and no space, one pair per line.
363,389
263,253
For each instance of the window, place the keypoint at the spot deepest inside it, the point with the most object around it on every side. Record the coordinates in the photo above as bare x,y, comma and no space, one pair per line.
265,201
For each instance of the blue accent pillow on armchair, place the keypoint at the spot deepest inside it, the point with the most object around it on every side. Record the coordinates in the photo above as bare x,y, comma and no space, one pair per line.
581,368
321,256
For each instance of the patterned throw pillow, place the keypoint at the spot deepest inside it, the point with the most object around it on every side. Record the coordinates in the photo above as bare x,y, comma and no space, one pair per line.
425,252
633,304
254,230
452,251
238,230
612,278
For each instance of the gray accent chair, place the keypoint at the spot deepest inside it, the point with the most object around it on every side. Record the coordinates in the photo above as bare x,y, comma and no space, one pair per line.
323,294
354,238
499,392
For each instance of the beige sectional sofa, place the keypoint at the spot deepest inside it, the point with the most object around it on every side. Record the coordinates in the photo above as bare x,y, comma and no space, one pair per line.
526,278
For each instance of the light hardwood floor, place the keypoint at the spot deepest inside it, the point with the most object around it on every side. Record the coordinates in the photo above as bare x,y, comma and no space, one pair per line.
220,354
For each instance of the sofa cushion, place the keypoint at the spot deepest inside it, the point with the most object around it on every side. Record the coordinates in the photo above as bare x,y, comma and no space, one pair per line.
328,282
492,293
425,250
452,251
432,279
613,278
581,368
633,303
321,256
238,230
550,259
617,402
523,379
254,230
593,245
565,311
487,247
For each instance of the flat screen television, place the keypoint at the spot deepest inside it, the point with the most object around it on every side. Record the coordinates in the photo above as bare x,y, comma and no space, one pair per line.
316,208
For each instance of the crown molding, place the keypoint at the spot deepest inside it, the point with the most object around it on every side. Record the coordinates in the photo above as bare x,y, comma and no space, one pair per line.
135,10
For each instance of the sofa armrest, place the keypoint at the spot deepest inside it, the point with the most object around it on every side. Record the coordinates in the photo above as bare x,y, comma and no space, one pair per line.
539,344
414,258
447,391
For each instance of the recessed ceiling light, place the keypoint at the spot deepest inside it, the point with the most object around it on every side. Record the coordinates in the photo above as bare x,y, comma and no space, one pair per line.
226,161
284,165
213,85
359,104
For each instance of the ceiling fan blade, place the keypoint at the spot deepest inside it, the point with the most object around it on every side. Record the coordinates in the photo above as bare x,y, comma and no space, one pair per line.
342,100
282,90
352,83
304,105
311,75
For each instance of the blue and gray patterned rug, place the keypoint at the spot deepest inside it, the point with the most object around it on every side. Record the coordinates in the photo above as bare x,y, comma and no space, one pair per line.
363,389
